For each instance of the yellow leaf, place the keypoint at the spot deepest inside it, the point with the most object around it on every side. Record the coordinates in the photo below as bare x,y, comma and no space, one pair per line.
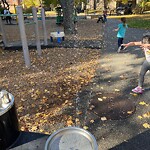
100,99
140,117
104,97
134,94
147,115
146,125
117,90
103,118
143,103
46,132
129,112
77,120
92,121
85,127
34,128
79,112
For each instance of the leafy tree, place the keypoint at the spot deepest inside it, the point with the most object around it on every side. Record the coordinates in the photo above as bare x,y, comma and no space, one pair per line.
30,3
4,3
48,2
143,4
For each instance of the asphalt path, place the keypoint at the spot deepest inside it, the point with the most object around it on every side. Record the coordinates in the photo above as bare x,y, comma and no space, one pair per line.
118,74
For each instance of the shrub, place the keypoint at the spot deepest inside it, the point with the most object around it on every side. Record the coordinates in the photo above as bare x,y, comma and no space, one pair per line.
27,10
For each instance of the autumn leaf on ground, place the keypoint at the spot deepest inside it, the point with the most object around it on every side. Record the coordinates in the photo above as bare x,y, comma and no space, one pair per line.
146,115
129,112
140,117
117,90
104,97
34,128
85,127
103,118
146,125
100,99
69,121
92,121
134,94
143,103
121,76
79,112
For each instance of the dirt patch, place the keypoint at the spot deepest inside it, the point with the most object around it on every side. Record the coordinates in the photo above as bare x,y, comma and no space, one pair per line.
111,106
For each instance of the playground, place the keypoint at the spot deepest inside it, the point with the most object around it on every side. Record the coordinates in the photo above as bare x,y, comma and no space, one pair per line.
60,71
55,92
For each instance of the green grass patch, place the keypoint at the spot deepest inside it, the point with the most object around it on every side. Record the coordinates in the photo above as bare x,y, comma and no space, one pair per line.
136,21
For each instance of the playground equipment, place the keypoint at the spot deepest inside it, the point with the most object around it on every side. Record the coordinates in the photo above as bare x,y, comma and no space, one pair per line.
21,24
59,18
59,35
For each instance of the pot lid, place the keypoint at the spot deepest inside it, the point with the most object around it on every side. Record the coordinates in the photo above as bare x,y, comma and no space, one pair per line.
6,101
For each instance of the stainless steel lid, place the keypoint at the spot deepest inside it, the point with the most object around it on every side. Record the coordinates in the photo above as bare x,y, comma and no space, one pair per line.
6,101
71,138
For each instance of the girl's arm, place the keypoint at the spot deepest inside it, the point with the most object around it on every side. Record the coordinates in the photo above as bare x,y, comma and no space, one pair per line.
145,45
132,44
116,29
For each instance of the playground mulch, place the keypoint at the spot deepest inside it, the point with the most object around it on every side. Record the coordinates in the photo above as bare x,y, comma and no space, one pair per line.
45,93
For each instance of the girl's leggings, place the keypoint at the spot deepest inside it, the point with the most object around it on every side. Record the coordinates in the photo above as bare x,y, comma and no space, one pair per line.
144,69
120,41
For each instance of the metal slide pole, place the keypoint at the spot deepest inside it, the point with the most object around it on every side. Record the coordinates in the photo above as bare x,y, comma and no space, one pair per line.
44,26
38,44
23,36
3,33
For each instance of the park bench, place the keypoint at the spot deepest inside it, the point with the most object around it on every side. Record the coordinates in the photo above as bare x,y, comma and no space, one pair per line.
57,35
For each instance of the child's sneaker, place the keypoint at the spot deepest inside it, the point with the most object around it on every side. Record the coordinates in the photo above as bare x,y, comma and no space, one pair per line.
120,48
138,90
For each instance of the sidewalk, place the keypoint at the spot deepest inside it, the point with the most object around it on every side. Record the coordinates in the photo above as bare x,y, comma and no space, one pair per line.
111,87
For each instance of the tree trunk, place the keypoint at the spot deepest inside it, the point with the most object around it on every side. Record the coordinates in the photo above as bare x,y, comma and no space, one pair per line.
68,17
105,4
94,4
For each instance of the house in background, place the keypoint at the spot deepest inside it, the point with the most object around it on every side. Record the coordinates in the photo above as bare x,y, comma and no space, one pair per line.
99,4
13,3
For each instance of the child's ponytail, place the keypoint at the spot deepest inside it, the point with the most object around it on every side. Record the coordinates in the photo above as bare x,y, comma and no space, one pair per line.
123,19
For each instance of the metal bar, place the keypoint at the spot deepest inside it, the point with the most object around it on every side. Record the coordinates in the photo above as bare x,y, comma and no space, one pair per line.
23,36
38,44
44,26
3,33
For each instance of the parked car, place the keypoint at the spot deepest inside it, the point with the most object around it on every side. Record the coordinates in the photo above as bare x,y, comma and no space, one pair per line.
123,10
120,10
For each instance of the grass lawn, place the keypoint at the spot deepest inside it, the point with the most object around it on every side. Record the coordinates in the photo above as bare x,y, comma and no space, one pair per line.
136,21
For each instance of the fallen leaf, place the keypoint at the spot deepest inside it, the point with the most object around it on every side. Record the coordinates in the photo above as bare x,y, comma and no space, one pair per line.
85,127
92,121
140,117
103,118
146,115
100,99
146,125
143,103
129,112
117,90
104,97
79,112
134,94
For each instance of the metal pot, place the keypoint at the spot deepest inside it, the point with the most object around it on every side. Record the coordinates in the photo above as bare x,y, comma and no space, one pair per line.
71,138
9,129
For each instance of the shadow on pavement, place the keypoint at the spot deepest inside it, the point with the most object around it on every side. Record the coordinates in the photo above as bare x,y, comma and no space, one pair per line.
139,142
30,140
